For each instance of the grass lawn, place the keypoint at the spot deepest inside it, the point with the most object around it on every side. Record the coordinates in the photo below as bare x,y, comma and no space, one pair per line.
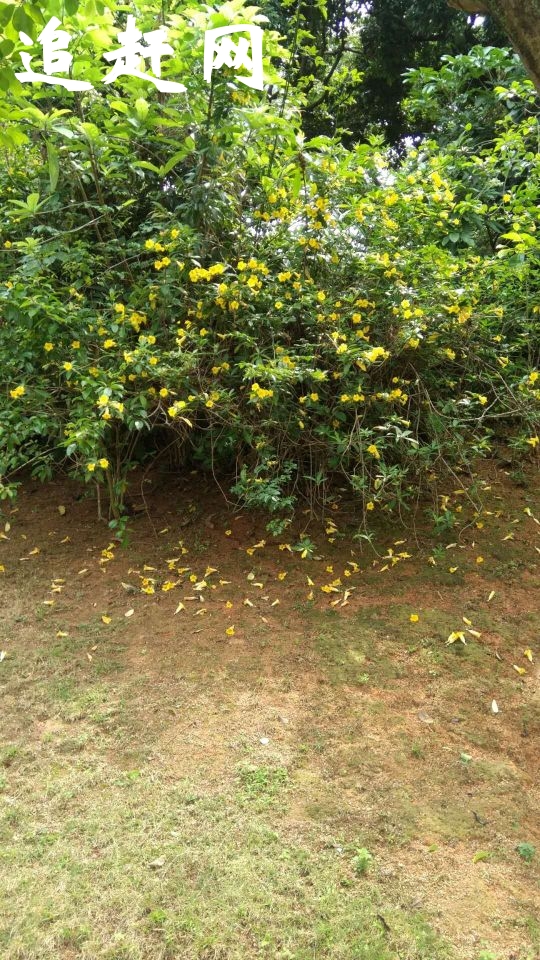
206,755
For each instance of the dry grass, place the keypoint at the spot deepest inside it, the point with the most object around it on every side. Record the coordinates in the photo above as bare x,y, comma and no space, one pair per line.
142,818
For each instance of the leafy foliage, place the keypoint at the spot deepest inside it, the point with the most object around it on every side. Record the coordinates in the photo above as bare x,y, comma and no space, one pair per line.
192,272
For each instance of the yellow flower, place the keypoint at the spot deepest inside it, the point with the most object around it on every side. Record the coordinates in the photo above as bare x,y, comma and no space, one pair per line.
372,449
414,618
17,392
103,463
164,392
107,344
377,353
174,234
75,344
90,467
321,296
48,346
230,631
314,396
234,305
534,441
370,505
67,365
119,308
198,273
209,403
216,269
483,400
8,244
153,361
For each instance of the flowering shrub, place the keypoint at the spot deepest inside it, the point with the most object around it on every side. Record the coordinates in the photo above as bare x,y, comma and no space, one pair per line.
283,311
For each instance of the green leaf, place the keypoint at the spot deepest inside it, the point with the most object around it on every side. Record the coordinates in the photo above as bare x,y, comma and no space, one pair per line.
54,165
146,165
176,158
119,105
141,108
481,855
22,22
6,13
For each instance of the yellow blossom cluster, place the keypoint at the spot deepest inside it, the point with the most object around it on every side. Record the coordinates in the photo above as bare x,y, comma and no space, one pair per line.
376,353
254,265
201,273
260,392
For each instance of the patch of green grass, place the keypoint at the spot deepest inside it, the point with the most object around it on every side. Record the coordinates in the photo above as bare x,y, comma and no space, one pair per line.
105,855
262,783
142,872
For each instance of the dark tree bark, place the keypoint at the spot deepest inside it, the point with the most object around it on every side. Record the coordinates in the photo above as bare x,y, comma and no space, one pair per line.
520,19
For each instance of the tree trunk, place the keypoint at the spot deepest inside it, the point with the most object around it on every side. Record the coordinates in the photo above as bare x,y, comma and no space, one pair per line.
521,21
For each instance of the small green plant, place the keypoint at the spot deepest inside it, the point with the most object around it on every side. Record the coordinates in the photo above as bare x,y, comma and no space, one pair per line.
442,522
157,917
262,782
526,851
8,754
305,547
361,861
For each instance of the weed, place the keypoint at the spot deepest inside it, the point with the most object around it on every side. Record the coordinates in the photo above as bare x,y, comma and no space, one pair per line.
262,782
362,861
526,851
